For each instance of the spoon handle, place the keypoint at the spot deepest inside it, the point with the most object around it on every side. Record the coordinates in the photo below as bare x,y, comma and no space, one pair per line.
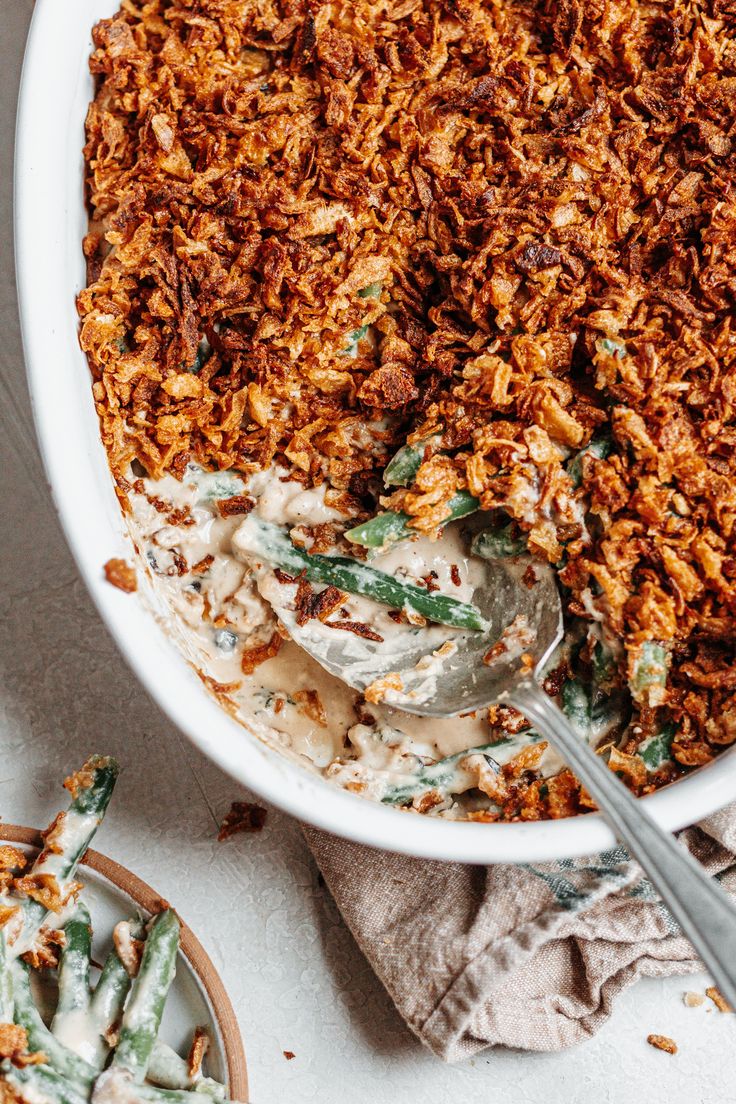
694,899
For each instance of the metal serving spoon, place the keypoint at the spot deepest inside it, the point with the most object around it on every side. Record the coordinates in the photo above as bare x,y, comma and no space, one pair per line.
466,682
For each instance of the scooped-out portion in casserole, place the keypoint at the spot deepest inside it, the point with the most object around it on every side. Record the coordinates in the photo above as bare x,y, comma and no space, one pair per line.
378,291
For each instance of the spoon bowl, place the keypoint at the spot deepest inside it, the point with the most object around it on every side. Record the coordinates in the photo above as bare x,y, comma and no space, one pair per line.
518,598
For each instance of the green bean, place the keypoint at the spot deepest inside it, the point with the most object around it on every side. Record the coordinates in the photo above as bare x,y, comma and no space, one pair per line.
604,664
599,447
64,1061
498,543
204,351
612,346
212,486
110,992
657,750
6,983
80,822
351,349
649,669
403,467
169,1070
74,968
108,998
443,775
263,539
389,526
41,1085
142,1016
157,1095
370,292
590,712
447,776
381,530
166,1068
93,798
576,704
117,1083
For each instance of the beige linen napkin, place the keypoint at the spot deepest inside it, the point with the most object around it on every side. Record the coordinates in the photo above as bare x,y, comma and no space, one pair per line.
526,956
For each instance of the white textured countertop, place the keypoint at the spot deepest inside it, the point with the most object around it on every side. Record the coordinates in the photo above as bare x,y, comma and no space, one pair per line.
295,976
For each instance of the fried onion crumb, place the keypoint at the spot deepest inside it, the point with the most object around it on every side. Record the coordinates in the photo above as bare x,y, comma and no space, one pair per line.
121,575
14,1046
504,227
243,817
662,1042
718,999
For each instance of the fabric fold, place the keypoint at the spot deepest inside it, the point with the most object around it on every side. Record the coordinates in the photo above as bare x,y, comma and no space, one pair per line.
529,956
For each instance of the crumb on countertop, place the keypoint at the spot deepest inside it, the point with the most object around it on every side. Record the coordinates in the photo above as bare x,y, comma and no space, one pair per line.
121,574
693,1000
243,817
718,999
662,1042
289,1054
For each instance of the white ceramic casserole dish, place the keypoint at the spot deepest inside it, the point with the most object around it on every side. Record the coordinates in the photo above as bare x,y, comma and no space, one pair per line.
50,221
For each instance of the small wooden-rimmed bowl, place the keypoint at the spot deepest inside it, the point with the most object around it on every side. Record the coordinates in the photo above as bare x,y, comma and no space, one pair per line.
197,990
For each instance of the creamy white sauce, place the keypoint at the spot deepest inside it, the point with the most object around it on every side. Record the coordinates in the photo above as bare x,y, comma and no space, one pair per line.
32,1095
115,1086
234,603
71,829
77,1031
